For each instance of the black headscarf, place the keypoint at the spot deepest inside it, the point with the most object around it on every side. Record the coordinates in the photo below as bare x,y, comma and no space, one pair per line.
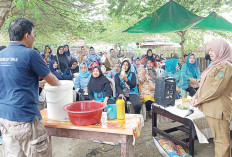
161,57
157,60
62,60
207,57
98,84
129,67
150,57
70,70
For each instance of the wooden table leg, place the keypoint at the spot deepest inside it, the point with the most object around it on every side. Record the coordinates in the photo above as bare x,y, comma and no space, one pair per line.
123,150
131,146
124,146
191,139
154,122
50,144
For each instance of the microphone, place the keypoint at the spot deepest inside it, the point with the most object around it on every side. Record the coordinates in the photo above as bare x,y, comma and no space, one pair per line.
189,112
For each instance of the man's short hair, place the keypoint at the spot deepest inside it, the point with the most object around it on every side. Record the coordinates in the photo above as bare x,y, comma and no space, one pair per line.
18,27
2,47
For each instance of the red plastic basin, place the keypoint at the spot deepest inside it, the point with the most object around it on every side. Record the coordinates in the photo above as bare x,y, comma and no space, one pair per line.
85,112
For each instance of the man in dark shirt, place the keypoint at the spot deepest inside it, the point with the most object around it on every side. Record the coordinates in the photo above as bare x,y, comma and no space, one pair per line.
23,132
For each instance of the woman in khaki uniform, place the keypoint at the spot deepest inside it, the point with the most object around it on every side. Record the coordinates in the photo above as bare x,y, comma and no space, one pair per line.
214,97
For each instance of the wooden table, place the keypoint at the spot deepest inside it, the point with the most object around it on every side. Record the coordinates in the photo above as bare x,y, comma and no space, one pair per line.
108,131
187,127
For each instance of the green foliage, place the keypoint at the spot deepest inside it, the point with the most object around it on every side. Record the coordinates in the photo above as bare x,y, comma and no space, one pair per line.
110,31
53,19
144,8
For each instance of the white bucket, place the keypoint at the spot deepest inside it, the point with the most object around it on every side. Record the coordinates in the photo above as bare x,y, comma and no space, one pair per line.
57,97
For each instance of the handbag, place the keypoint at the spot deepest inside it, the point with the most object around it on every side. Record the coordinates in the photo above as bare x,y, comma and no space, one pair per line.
125,92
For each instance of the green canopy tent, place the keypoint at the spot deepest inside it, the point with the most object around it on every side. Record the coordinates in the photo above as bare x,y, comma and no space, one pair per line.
171,17
214,22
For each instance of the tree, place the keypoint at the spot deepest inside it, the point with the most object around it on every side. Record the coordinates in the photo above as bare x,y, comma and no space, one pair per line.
60,18
6,7
144,8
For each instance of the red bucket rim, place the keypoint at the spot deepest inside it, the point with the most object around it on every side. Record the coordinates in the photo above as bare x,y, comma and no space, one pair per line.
65,107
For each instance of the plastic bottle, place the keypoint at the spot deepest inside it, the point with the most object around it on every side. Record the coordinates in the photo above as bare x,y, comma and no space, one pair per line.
120,110
123,72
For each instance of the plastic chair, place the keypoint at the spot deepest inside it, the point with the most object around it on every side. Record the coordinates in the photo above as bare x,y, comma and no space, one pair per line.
131,110
185,94
159,72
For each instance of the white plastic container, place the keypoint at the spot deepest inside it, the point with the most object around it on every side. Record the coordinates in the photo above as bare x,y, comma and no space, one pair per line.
57,97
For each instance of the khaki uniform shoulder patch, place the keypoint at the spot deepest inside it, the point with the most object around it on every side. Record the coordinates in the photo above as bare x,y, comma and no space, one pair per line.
220,74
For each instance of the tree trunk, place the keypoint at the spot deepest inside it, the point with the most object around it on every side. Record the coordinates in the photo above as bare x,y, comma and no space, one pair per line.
182,35
5,7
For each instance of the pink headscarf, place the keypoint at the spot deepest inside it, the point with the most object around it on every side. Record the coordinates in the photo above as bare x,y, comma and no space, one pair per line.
224,54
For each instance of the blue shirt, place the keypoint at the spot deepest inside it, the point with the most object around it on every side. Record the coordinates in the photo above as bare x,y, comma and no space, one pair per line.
81,82
20,68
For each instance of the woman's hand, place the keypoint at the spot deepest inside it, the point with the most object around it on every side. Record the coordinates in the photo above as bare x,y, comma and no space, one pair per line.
124,77
178,90
121,95
194,102
191,79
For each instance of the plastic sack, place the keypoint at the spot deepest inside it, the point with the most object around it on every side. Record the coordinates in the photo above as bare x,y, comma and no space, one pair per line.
169,149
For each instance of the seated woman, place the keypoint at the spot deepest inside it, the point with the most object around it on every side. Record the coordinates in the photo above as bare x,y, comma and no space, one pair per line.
162,57
137,64
146,79
113,72
151,57
73,69
92,56
172,70
111,60
94,64
191,75
67,52
53,66
47,55
99,88
126,86
81,83
62,59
